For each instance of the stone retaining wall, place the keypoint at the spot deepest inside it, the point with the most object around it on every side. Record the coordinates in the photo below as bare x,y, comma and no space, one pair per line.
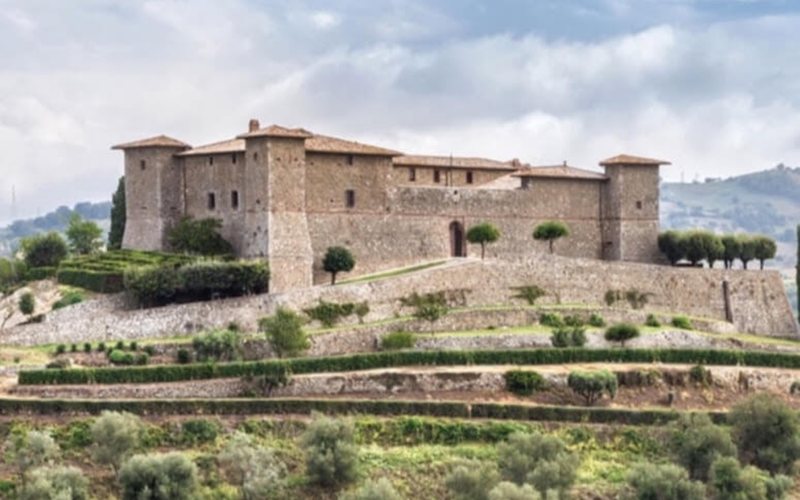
757,298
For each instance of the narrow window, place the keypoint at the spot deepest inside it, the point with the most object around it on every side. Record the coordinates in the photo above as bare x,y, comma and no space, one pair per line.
210,160
412,174
212,201
350,198
142,164
639,205
255,156
235,200
469,177
437,177
349,159
233,158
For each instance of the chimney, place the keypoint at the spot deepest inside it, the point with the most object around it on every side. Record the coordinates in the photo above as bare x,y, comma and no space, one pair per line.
253,125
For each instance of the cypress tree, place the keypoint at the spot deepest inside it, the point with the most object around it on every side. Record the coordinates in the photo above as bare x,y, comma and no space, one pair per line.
117,217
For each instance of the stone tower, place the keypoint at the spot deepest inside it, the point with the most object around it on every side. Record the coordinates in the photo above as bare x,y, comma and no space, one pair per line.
153,190
630,208
275,199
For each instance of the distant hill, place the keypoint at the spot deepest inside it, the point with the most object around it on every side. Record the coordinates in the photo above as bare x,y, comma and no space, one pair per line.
57,220
766,202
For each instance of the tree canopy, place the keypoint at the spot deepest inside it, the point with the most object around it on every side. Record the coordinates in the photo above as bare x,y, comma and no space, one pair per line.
336,260
482,234
550,231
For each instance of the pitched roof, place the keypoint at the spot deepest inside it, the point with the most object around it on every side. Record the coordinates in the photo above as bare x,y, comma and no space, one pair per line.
327,144
277,131
159,141
560,172
229,146
451,161
632,160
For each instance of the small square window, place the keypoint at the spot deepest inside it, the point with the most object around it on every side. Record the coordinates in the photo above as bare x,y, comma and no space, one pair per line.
469,177
349,159
350,198
639,205
212,201
142,164
412,174
235,200
437,176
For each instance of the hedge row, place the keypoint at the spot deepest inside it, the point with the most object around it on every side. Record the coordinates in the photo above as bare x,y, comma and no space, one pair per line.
495,411
96,281
356,362
40,273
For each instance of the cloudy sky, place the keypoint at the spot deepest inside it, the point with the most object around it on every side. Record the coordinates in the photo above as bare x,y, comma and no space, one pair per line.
713,85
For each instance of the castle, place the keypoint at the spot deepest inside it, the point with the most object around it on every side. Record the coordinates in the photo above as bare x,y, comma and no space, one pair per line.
287,194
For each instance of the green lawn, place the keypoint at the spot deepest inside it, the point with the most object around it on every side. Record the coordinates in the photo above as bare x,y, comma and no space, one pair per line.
391,273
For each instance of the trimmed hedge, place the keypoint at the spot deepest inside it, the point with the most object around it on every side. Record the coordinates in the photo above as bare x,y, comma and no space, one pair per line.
497,411
40,273
103,272
356,362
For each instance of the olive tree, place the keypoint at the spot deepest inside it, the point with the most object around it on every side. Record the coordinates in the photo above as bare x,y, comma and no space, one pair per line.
731,249
29,450
55,483
592,385
84,236
472,480
331,452
670,243
663,482
285,334
766,432
541,460
169,476
482,234
254,469
510,491
115,437
550,231
337,260
622,333
695,442
747,249
380,489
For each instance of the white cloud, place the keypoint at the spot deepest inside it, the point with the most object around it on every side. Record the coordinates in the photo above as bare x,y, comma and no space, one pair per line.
20,20
324,19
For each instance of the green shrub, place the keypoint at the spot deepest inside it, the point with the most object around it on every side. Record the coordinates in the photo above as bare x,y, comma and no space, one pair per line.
40,273
101,347
59,364
652,321
199,237
149,350
115,435
133,346
361,310
766,432
27,303
152,285
119,357
730,480
141,358
524,383
183,356
380,489
329,313
592,385
44,250
120,345
573,320
596,321
331,453
568,336
472,480
158,477
87,347
73,348
682,322
695,442
30,449
61,349
219,345
621,333
397,340
551,319
663,482
428,307
529,293
55,482
637,299
541,460
199,431
701,375
285,333
507,490
794,388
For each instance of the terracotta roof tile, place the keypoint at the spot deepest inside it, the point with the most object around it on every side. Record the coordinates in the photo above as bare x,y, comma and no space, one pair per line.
277,131
160,141
559,172
451,161
632,160
327,144
229,146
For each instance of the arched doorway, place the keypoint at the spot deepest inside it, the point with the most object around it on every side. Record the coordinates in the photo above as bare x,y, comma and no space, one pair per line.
457,246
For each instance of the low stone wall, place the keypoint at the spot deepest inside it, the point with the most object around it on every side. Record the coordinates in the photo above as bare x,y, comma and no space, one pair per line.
757,299
398,381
